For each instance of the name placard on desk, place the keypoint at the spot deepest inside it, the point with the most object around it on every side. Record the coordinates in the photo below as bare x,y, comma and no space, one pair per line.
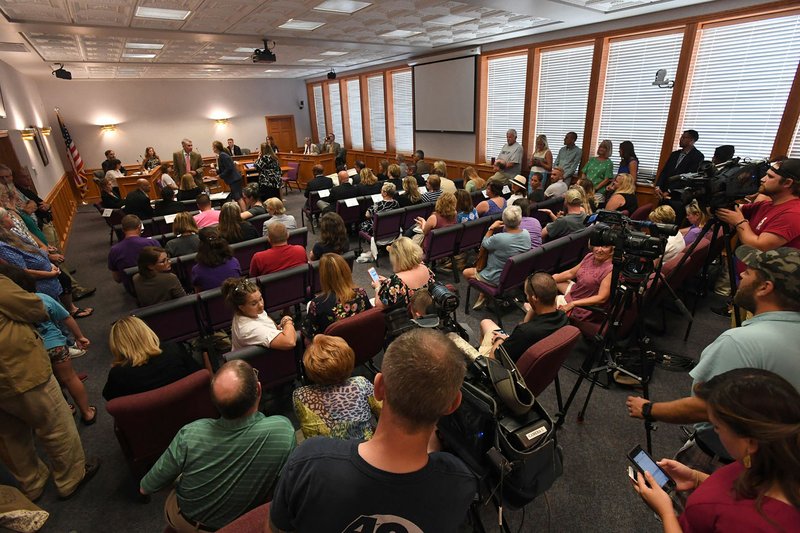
324,193
107,212
377,198
169,219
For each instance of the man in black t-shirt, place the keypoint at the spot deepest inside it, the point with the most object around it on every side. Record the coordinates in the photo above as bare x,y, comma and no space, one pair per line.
390,482
541,319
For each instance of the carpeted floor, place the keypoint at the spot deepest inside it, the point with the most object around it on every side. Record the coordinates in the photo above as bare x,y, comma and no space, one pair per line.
593,494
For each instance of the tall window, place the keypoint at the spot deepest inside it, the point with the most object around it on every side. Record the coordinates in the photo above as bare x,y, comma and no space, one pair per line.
633,109
740,84
336,111
505,107
354,114
564,77
319,112
377,113
403,111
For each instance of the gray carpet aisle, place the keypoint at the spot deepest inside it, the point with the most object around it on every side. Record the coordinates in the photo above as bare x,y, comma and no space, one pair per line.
593,493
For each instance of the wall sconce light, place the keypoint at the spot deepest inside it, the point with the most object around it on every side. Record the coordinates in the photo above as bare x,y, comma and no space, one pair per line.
108,128
221,122
46,130
28,134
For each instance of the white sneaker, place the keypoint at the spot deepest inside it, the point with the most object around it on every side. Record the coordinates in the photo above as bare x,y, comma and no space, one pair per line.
74,352
366,257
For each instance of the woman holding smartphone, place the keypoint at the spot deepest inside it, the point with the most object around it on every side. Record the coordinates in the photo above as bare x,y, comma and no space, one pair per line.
541,160
757,416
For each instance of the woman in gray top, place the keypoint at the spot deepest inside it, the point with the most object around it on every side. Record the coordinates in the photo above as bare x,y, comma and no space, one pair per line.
186,240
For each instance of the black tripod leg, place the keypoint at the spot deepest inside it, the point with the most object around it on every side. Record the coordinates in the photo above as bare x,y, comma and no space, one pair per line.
737,318
582,412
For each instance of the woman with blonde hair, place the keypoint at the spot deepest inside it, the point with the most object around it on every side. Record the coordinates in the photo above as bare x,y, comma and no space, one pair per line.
336,405
141,362
410,274
277,212
444,215
412,195
697,218
368,184
472,181
624,195
445,183
665,214
231,226
251,324
541,159
600,170
188,190
340,297
186,240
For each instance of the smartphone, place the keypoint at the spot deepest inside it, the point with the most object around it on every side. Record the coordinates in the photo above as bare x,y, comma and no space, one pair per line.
643,462
373,273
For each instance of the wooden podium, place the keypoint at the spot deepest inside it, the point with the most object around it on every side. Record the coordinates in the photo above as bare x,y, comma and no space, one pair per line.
307,162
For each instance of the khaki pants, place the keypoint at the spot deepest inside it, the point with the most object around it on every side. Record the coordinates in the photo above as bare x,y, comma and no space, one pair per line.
176,521
44,412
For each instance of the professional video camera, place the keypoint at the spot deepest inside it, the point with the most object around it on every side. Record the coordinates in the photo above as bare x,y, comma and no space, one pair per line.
719,186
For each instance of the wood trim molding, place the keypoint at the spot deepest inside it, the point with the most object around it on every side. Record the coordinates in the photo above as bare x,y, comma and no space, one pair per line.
591,126
529,118
63,200
483,88
312,111
326,106
789,120
388,104
365,116
345,114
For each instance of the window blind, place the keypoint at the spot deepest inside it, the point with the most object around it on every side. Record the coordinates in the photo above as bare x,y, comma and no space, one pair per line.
336,111
319,112
403,111
633,109
564,77
377,113
740,84
505,106
354,114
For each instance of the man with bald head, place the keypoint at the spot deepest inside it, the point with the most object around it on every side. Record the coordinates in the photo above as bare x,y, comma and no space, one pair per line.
343,191
138,200
227,466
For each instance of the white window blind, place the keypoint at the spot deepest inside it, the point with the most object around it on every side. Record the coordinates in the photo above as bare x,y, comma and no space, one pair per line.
377,113
354,114
633,109
794,149
740,84
564,77
319,112
403,111
336,111
505,105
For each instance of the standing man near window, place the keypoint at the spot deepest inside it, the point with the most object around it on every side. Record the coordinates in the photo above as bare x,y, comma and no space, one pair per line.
186,161
511,155
569,157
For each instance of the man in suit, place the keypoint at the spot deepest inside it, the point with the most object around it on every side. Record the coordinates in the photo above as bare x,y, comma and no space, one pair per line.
319,182
108,163
187,161
330,146
234,149
138,201
343,191
310,148
687,159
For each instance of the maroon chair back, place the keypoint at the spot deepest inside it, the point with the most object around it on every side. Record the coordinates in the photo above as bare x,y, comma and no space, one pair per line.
215,313
543,218
245,250
540,363
473,233
284,288
184,270
443,242
364,332
642,212
175,320
275,367
298,236
146,423
254,521
350,215
550,259
258,223
315,285
575,249
411,213
387,224
310,209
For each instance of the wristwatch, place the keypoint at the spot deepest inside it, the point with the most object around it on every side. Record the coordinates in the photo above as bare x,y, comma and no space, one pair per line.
646,412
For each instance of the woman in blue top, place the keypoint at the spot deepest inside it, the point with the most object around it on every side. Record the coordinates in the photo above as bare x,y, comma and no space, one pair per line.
465,211
628,163
494,203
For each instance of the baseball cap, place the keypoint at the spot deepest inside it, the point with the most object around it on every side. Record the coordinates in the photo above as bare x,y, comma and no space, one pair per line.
573,197
520,181
781,266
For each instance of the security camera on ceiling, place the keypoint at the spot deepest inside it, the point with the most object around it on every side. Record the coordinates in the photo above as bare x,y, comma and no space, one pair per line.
265,55
332,75
661,79
61,73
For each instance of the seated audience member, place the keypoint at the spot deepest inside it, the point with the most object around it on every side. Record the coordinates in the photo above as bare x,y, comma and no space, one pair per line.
383,169
207,216
189,190
141,362
542,318
231,226
494,203
125,253
623,197
319,182
770,291
697,218
251,325
587,207
332,237
138,200
280,255
445,183
587,283
537,192
395,176
664,214
529,223
444,215
223,467
590,196
155,282
151,159
168,205
340,297
519,189
512,241
368,183
386,203
472,181
277,213
628,162
557,187
253,202
390,474
335,404
412,195
465,210
400,160
499,168
434,190
115,171
570,222
166,181
410,274
343,191
109,199
756,414
186,240
214,262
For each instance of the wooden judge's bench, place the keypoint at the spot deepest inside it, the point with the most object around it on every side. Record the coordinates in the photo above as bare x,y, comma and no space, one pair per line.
307,162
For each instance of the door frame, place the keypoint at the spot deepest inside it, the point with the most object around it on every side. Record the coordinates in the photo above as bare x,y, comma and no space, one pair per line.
267,118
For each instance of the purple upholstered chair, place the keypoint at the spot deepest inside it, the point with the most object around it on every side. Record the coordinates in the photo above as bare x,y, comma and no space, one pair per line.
275,367
175,320
540,363
443,243
285,288
315,286
245,250
385,227
365,333
423,210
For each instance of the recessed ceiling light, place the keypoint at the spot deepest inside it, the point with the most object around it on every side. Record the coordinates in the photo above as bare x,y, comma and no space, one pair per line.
304,25
245,50
342,6
450,20
144,46
233,58
139,56
274,70
163,14
398,34
332,53
309,60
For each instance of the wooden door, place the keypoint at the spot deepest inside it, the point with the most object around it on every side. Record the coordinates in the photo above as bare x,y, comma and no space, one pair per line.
7,154
281,127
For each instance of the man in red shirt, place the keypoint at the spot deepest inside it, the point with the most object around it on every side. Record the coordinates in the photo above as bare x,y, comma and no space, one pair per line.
280,256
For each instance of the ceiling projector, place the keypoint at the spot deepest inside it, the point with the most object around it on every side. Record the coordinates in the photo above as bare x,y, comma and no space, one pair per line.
61,73
265,55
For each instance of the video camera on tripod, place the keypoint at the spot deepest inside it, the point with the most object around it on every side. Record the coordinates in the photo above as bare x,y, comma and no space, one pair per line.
719,186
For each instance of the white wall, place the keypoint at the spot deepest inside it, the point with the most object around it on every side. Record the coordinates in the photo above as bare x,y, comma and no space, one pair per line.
160,113
24,108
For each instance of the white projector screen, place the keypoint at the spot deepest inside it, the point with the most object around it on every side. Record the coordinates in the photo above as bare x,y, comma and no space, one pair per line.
444,96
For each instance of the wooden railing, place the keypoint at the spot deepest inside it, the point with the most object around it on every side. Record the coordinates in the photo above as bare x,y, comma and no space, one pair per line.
63,200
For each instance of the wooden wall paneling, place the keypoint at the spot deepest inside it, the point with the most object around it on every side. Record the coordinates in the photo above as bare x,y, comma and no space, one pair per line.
388,104
594,104
312,112
480,134
364,92
326,104
63,204
789,121
345,115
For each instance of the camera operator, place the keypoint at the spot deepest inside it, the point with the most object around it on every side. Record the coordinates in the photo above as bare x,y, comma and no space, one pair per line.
770,289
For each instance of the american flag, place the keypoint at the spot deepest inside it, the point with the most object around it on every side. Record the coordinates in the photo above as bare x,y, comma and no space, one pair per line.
72,153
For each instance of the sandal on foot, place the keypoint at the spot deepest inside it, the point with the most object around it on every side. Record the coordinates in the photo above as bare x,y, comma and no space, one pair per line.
90,421
82,313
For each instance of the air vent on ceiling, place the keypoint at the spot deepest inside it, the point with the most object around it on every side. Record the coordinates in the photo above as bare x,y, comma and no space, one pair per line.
13,47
